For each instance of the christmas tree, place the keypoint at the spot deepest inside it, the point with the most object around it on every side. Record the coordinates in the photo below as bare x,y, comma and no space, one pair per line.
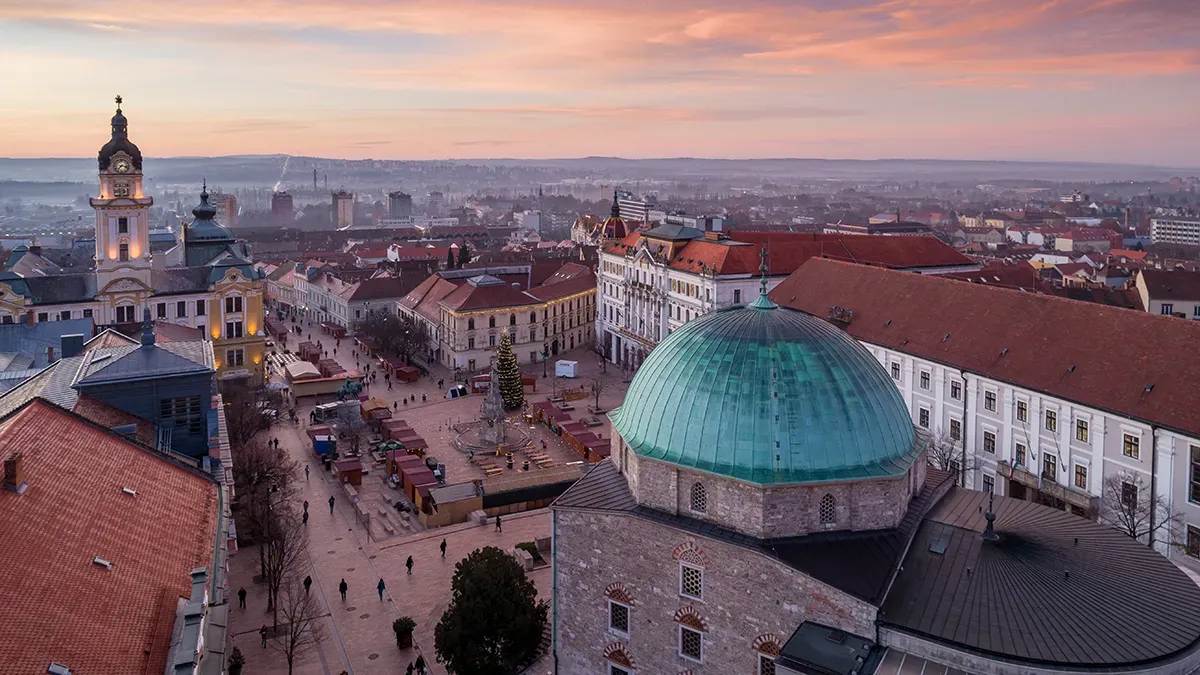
510,375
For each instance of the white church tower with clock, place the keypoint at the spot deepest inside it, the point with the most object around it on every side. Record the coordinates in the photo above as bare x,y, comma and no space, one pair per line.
123,262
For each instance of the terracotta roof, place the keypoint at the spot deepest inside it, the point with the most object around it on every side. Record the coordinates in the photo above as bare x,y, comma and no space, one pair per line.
1127,253
1017,275
379,288
1087,234
472,296
740,254
105,415
1049,344
55,603
1070,269
1171,284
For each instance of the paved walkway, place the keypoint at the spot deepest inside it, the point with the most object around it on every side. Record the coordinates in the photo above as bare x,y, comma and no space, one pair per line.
360,638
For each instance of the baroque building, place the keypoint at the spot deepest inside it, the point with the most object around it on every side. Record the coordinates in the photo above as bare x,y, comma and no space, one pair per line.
768,508
206,282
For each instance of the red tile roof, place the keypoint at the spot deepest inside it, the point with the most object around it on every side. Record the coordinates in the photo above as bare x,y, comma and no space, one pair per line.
1017,275
740,254
55,604
471,297
1044,336
1171,284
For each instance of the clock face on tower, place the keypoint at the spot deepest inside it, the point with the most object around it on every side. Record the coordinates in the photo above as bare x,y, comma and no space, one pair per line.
121,165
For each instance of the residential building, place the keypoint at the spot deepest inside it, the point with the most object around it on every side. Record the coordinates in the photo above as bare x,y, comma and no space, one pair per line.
226,206
400,205
1175,230
1048,414
1169,292
283,209
652,282
343,209
1086,239
465,313
115,552
634,209
344,302
207,281
768,508
419,222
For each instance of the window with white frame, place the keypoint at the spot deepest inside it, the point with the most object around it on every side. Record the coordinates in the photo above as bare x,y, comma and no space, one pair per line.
1194,475
1131,446
1081,430
989,401
1019,454
1081,477
691,581
1129,494
691,644
923,418
925,379
618,617
1051,420
955,430
989,442
699,498
989,484
1022,411
956,390
895,370
1193,541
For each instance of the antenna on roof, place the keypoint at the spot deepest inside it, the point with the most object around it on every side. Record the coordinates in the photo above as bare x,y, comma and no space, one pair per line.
989,534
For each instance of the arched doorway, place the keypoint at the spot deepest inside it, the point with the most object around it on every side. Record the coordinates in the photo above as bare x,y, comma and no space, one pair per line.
554,347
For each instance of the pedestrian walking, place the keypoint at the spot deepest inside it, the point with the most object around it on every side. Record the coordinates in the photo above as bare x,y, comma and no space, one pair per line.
342,588
409,564
409,669
306,475
379,587
443,547
242,598
420,665
498,528
331,505
306,501
304,518
307,583
262,634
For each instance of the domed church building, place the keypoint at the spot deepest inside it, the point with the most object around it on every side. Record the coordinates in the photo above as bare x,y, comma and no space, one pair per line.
768,509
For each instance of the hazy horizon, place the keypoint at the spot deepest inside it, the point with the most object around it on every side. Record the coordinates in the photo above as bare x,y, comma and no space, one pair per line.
1109,81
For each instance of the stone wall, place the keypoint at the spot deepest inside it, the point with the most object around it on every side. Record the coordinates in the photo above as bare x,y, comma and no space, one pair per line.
768,512
747,597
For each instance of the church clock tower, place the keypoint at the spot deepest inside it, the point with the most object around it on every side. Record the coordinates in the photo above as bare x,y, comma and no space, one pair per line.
122,226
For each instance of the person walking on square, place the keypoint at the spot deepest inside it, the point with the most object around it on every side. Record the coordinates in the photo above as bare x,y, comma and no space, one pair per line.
342,588
420,665
409,564
306,501
306,472
262,634
498,528
331,500
307,583
304,518
443,547
242,598
379,587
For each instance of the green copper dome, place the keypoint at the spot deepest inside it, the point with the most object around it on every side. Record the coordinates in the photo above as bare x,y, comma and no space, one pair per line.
768,395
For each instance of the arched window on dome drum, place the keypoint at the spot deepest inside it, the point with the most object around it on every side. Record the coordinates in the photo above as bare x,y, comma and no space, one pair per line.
699,498
828,510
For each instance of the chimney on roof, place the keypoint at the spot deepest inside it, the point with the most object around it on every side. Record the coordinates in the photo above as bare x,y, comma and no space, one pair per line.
71,345
14,474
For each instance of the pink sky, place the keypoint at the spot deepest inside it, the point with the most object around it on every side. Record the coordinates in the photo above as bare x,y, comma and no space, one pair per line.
1089,80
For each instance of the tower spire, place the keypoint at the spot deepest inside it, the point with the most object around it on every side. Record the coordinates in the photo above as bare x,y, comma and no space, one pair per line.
616,208
762,301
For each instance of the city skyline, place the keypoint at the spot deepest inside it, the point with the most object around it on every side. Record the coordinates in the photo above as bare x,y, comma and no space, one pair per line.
1069,80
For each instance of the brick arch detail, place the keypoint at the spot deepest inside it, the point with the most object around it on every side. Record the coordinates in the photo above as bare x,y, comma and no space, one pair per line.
691,618
619,654
619,592
689,553
769,644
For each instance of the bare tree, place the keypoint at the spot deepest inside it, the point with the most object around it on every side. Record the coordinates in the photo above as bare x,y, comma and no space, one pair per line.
945,453
395,334
1127,505
246,411
286,547
597,347
265,483
303,622
596,386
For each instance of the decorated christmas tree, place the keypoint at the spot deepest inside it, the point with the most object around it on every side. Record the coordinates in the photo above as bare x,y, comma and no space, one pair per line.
510,375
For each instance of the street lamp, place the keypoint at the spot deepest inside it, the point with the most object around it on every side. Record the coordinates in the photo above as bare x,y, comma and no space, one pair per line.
545,358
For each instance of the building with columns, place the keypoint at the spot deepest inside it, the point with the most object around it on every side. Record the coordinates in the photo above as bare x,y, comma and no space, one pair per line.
768,509
206,282
1042,398
652,282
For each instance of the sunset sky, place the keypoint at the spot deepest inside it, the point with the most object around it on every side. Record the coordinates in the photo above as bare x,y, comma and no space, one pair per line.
1087,80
